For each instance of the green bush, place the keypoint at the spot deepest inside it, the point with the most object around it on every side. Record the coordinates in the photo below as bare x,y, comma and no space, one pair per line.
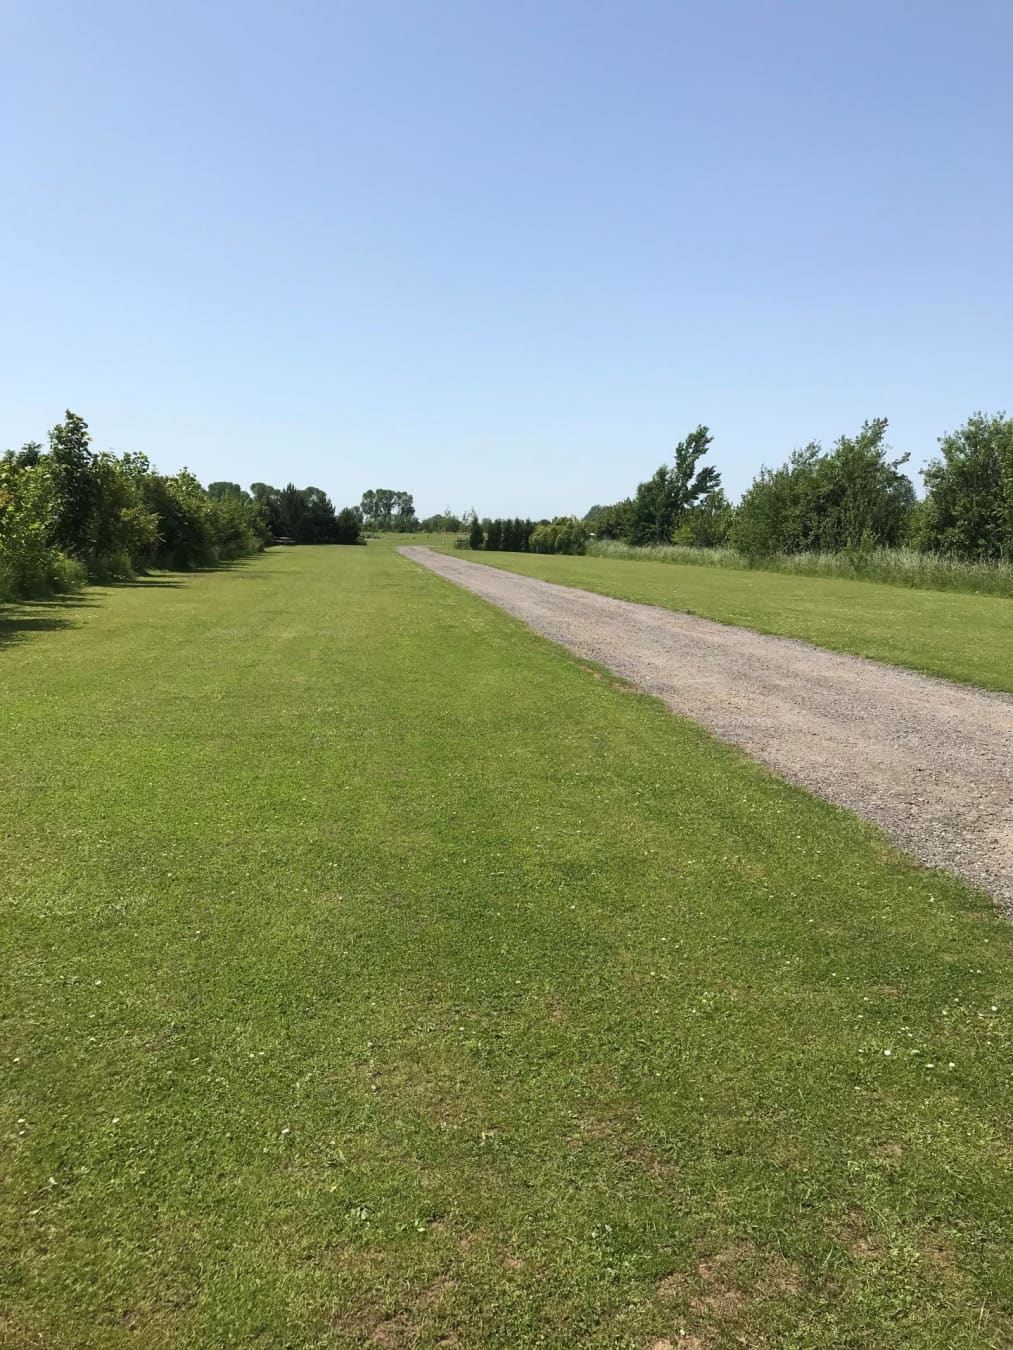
968,512
30,563
565,534
852,499
104,568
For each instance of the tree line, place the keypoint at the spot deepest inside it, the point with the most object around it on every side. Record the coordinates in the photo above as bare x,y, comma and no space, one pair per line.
564,534
69,513
853,497
298,515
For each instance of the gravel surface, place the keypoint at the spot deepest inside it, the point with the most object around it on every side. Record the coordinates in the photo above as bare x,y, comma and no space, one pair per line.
930,763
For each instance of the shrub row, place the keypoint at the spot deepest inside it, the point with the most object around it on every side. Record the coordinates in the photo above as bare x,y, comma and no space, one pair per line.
853,499
70,514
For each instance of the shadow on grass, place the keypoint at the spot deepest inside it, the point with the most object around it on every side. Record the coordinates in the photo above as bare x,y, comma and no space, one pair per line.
145,582
20,620
174,578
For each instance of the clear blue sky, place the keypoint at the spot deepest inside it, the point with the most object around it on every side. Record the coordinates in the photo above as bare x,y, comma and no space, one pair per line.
502,254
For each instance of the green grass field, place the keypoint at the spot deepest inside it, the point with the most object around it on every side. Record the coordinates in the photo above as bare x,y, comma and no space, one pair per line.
953,635
377,974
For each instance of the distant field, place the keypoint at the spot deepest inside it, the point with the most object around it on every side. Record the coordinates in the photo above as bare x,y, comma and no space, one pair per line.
378,974
956,636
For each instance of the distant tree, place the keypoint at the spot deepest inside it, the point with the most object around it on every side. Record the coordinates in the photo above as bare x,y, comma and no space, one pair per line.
348,526
663,500
291,511
268,500
404,512
494,534
616,521
476,537
217,491
565,534
446,522
385,509
320,519
28,456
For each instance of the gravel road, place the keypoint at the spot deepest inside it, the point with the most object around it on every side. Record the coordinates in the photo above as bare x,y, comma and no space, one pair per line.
930,763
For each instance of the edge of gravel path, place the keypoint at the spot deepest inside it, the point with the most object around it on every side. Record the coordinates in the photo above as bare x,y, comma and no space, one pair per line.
927,760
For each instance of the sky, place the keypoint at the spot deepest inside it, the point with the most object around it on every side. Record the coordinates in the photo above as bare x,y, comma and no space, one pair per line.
502,255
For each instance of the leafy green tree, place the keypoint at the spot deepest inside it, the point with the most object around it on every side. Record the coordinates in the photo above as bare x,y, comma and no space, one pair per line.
291,509
267,500
186,536
319,525
968,511
28,456
565,534
404,512
30,563
852,498
238,525
348,526
386,509
121,531
74,485
615,522
72,510
865,498
661,502
708,524
218,491
443,523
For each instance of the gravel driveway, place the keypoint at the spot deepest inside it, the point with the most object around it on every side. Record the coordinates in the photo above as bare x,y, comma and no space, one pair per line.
930,763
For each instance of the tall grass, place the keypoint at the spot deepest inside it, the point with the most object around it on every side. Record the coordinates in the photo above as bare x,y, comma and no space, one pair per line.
894,566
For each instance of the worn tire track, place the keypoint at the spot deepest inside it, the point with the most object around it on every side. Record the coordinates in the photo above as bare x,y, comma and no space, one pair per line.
929,762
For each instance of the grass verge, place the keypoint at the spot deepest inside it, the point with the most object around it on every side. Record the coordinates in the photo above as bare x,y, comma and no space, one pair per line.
377,974
956,636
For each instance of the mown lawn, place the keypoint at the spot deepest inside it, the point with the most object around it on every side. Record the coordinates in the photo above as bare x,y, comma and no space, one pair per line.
378,974
956,636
